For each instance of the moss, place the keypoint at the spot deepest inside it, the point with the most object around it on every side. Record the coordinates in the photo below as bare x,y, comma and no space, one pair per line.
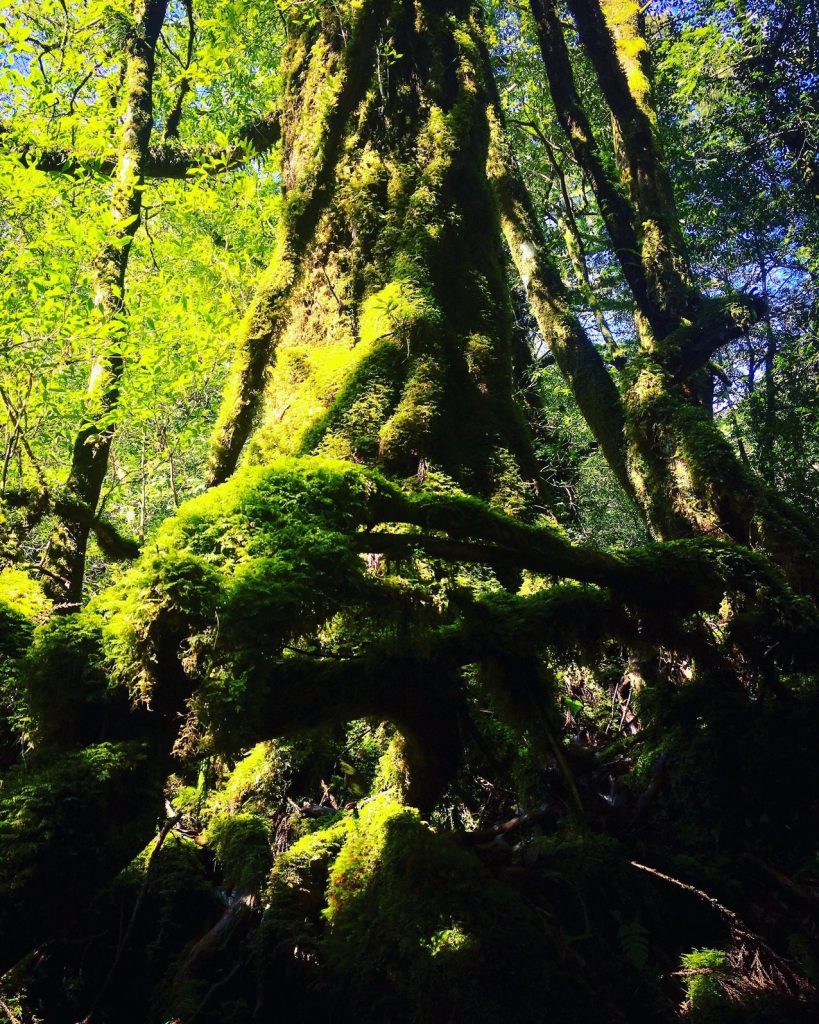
257,777
661,450
692,483
715,742
165,897
408,432
241,843
249,556
719,992
320,84
178,587
586,859
23,594
179,893
67,825
389,306
270,557
401,936
16,631
392,775
363,399
67,689
407,937
295,894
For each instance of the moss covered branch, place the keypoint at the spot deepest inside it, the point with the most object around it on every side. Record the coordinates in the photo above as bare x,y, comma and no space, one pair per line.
166,160
578,359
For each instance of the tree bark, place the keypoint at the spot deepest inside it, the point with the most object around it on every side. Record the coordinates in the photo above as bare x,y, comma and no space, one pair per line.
65,559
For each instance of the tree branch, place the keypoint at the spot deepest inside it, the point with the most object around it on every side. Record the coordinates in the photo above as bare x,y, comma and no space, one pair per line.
720,320
613,40
578,359
163,161
615,209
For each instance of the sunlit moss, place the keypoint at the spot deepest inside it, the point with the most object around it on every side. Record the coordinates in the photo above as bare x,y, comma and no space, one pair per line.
702,969
242,845
405,933
24,594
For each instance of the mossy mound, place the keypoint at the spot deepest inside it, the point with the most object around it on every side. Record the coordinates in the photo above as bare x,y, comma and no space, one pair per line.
399,932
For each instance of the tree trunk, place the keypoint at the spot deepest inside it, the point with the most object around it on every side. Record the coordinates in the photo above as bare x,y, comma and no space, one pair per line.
65,559
684,474
382,332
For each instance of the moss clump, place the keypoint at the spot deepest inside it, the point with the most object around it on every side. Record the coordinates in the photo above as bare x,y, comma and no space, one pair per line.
392,774
23,594
295,894
242,846
77,818
407,938
179,899
177,587
718,991
71,790
377,912
67,689
362,396
255,784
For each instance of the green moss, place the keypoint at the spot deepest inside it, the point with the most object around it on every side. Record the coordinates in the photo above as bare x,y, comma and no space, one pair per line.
392,774
407,937
177,902
77,819
349,428
256,777
173,876
409,430
16,631
241,843
23,594
67,688
401,936
295,894
389,305
178,587
706,998
715,742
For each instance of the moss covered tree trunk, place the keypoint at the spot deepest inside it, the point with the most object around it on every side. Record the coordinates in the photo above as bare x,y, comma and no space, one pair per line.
64,562
681,469
382,331
380,335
